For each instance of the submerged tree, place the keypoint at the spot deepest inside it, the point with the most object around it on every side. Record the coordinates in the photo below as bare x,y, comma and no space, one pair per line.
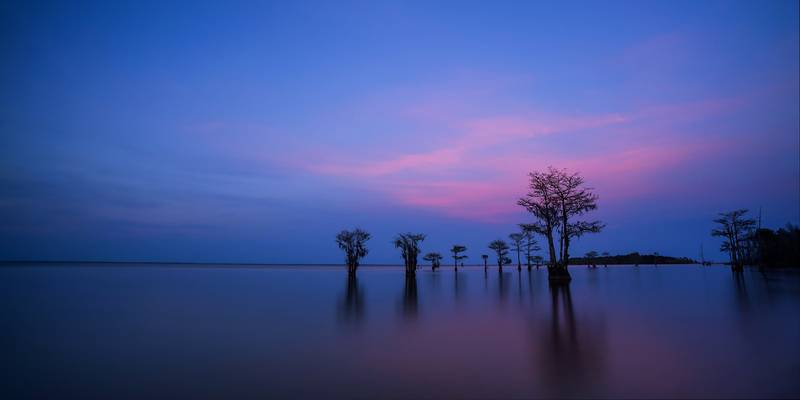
733,226
590,256
501,250
540,201
408,243
485,261
556,198
530,245
353,244
434,259
516,245
455,251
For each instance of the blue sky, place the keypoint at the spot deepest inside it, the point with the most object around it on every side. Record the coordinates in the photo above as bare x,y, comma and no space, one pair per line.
253,132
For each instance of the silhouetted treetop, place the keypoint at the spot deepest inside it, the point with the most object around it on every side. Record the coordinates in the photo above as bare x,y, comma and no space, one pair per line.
354,245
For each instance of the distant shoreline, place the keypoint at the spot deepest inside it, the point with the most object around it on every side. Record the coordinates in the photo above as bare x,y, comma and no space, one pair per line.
9,263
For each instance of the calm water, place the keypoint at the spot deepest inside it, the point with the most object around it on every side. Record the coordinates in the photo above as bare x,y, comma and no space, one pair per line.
167,332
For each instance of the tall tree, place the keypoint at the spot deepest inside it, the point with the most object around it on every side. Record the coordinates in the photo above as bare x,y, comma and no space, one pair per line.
501,250
408,243
485,260
434,259
541,202
573,200
733,226
354,245
455,250
516,245
556,198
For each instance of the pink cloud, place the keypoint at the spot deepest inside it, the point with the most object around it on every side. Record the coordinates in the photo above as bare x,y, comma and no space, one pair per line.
478,167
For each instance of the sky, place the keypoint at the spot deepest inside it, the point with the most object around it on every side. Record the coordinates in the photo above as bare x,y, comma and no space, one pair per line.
254,132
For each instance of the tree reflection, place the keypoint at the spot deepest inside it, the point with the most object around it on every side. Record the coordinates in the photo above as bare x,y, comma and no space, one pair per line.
352,305
570,358
740,287
503,279
410,301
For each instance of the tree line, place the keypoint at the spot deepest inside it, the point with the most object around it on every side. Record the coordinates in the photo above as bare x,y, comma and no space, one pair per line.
747,243
557,199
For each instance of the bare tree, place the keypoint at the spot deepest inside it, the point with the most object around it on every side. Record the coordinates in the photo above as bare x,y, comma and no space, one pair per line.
408,243
541,202
353,244
516,245
434,259
573,200
733,226
485,261
555,198
501,249
530,245
456,257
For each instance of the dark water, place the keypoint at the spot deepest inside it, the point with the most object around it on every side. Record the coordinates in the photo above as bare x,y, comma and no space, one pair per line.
168,332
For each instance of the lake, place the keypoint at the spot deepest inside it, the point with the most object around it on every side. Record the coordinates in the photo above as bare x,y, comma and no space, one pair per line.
169,331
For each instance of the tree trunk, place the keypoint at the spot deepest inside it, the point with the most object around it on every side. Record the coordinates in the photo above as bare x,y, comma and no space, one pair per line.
551,247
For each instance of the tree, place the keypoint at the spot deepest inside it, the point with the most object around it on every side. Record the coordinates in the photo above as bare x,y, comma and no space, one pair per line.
605,259
353,244
501,249
434,259
655,259
455,251
530,246
556,198
541,202
408,243
516,245
732,226
590,256
573,200
485,260
538,260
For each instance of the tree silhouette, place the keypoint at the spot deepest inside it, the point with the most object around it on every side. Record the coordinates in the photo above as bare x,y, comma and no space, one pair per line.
555,198
501,250
733,226
434,259
455,251
540,201
516,245
353,244
590,256
530,245
485,260
408,243
605,259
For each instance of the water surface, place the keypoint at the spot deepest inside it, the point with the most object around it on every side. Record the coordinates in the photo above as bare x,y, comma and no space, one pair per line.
161,331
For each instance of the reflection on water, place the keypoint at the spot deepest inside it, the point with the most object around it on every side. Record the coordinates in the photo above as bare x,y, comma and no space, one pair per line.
352,306
571,356
410,302
285,332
